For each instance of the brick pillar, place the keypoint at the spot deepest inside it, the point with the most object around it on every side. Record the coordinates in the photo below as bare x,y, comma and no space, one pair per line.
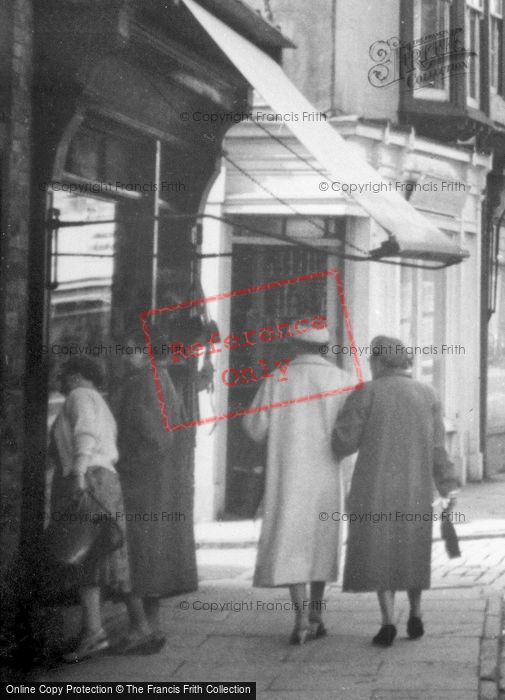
17,19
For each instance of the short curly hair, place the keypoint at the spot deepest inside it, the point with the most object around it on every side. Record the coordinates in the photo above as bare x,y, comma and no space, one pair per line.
392,352
87,367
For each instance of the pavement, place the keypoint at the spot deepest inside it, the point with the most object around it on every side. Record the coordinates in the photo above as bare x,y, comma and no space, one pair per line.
229,631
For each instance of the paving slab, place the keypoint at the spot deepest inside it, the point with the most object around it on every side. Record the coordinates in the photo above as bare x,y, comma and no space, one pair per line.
464,650
493,626
345,692
184,641
314,677
349,649
262,674
243,650
488,690
391,694
110,668
427,675
489,662
446,605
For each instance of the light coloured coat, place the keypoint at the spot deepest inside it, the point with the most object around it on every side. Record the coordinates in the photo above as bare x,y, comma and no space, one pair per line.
303,478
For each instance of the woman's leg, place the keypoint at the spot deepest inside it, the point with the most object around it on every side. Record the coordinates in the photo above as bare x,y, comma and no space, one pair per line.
415,627
415,602
152,612
91,612
317,627
387,633
138,621
387,606
93,639
143,637
316,600
298,595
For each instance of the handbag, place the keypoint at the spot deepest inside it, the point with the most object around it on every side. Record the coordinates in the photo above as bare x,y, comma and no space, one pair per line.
448,534
251,476
83,529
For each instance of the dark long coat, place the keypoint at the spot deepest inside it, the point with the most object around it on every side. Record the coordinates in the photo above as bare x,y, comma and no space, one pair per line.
156,472
396,424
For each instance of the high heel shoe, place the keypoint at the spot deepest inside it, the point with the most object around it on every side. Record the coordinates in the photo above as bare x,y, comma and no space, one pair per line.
300,635
385,636
317,629
415,627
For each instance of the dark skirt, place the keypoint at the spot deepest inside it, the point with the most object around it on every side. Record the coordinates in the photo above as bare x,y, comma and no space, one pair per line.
111,571
159,514
157,476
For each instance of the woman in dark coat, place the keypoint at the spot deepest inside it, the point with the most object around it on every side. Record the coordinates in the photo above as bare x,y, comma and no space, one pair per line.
396,424
158,491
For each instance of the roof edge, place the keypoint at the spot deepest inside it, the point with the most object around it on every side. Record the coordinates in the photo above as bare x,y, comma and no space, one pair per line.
248,22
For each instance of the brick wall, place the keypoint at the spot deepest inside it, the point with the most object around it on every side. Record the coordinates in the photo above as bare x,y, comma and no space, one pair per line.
16,17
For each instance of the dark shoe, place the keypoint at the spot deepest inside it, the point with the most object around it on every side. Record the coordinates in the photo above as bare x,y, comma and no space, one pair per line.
88,646
317,629
159,641
300,635
386,636
415,627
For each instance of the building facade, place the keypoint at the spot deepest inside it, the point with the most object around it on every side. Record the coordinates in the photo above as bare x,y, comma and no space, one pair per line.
102,181
416,87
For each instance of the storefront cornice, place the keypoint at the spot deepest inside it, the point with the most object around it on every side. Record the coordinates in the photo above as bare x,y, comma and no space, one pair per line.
237,13
168,136
331,207
125,33
354,126
182,56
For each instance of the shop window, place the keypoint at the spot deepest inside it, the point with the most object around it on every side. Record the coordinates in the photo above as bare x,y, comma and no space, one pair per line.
84,156
82,274
101,157
422,321
495,45
259,259
496,345
473,41
496,363
431,17
116,164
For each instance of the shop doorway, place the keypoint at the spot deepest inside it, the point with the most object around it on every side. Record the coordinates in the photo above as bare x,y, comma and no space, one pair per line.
255,264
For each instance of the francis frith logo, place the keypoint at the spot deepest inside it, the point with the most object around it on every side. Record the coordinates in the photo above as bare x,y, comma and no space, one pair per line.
422,63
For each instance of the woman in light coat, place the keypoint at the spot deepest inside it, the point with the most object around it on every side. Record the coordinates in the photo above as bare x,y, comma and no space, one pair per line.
303,480
396,424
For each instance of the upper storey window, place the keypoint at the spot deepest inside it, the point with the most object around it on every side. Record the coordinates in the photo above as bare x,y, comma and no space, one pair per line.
452,59
495,45
431,28
473,41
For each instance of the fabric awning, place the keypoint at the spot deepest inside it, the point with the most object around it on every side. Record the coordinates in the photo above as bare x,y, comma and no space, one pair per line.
411,234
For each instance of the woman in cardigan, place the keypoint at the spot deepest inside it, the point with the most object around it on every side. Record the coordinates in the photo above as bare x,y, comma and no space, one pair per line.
396,425
83,447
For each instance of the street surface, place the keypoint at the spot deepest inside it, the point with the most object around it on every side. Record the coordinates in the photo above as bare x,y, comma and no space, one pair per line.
231,631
